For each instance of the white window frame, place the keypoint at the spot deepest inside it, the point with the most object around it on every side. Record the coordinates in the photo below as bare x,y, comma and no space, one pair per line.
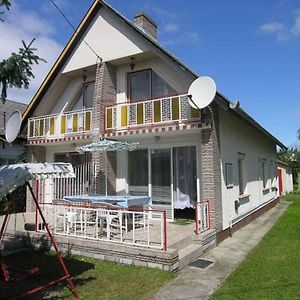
264,174
242,179
229,175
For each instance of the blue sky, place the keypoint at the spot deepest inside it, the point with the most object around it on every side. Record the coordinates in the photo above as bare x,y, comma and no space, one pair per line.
250,48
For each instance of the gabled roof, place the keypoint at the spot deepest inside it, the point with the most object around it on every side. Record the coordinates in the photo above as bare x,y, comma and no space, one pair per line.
76,38
8,108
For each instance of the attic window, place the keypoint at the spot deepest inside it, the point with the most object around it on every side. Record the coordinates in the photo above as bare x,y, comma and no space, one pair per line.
229,175
147,84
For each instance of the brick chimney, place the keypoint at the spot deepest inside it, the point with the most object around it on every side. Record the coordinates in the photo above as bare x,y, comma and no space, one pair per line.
146,24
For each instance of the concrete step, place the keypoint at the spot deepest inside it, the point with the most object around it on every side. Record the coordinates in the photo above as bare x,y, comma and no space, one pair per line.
189,254
181,244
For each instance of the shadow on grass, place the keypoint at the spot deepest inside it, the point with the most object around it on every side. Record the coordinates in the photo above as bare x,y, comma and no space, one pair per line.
49,270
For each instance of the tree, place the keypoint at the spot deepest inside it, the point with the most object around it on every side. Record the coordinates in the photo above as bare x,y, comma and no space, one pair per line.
292,157
6,4
16,70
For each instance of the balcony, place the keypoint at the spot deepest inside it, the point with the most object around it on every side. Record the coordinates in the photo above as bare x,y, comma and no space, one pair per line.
60,125
156,112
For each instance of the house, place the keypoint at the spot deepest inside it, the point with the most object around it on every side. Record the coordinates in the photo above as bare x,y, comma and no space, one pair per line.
113,80
9,153
285,178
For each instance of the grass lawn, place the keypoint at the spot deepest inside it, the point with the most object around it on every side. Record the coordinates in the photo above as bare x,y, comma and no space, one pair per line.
272,269
95,279
183,222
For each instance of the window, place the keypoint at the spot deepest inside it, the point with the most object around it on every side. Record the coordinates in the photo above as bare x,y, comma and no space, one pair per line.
88,94
160,88
228,175
264,173
140,85
241,171
84,98
147,84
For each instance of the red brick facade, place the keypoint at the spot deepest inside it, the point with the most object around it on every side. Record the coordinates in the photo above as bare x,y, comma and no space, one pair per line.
104,95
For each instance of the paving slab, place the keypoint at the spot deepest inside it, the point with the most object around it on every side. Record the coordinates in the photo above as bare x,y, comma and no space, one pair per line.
196,283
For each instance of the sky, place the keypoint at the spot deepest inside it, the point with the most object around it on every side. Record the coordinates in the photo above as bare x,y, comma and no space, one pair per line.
250,48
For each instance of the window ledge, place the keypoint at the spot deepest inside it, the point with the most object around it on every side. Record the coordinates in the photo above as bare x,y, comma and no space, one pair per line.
244,196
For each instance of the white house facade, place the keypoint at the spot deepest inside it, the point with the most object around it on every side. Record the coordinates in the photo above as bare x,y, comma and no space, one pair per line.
137,92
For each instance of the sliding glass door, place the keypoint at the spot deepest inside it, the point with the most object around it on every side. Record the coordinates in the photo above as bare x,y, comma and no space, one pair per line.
166,174
185,177
161,176
138,178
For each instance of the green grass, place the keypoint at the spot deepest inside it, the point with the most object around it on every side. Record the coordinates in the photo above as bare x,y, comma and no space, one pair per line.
272,269
94,279
183,222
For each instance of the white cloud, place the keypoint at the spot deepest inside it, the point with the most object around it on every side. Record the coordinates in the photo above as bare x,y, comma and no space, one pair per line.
187,38
272,27
295,30
281,31
162,12
171,27
25,25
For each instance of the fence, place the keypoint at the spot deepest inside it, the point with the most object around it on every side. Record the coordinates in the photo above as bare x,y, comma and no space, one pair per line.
116,225
202,217
83,183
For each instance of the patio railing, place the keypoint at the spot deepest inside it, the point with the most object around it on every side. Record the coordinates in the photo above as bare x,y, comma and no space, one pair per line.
60,125
130,227
202,217
150,112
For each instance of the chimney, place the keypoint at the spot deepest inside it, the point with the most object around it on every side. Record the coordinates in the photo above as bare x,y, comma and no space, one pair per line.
146,24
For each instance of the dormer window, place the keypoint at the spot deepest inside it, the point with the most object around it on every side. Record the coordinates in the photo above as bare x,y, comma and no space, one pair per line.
146,85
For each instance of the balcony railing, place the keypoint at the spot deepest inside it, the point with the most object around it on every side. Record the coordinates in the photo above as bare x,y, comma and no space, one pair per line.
150,112
60,125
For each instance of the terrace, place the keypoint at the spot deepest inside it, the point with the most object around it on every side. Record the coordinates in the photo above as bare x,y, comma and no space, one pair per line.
66,124
155,112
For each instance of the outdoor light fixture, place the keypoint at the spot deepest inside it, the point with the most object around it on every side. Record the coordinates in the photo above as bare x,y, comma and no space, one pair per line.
132,65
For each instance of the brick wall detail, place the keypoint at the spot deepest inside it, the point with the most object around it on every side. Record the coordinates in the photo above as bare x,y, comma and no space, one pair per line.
104,95
211,169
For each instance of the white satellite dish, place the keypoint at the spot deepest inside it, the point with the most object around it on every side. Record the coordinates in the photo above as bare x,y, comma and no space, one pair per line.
202,92
13,126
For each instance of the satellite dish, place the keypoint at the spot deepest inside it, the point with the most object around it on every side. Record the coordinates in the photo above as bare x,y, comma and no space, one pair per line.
234,105
13,126
202,92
